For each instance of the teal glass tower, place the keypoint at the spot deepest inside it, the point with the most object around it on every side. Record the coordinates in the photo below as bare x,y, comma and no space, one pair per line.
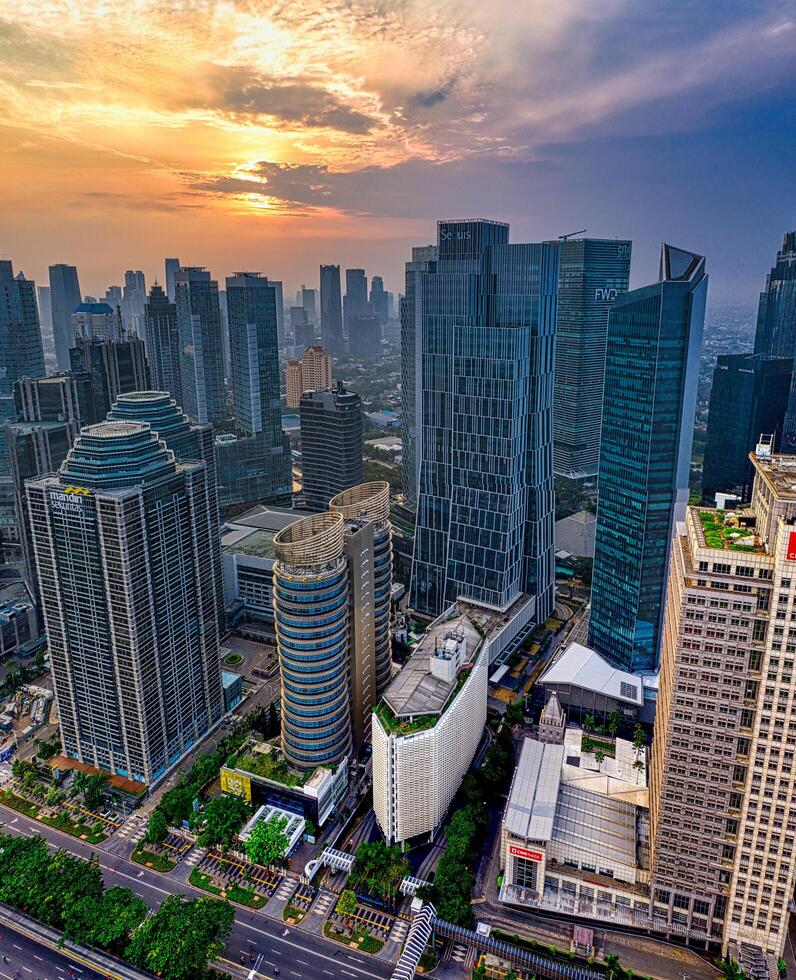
651,375
201,345
484,322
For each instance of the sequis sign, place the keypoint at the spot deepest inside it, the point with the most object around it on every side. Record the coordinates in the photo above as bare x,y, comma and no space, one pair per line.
523,852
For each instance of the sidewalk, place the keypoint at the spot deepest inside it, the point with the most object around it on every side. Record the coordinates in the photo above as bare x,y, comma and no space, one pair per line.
50,938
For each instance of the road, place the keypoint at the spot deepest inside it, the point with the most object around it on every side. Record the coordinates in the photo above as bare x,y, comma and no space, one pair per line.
23,958
299,954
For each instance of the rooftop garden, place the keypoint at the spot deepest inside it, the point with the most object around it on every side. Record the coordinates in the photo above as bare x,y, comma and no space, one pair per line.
394,725
724,533
269,765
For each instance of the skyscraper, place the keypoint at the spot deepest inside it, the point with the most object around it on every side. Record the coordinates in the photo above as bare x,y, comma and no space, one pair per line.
280,311
651,374
331,309
484,341
162,341
364,336
64,298
312,373
722,820
114,367
379,299
331,444
201,345
748,397
423,260
310,303
21,351
172,266
355,301
134,301
593,272
124,546
45,314
96,321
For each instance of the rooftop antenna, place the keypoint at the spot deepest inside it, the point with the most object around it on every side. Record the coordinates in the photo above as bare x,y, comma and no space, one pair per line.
571,234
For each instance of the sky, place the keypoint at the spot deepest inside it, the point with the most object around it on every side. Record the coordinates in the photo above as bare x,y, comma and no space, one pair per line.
273,135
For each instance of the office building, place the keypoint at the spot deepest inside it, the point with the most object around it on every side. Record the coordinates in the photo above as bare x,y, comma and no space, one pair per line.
379,299
331,309
651,374
201,345
749,396
423,261
21,351
134,301
252,469
364,336
162,342
355,301
56,398
722,818
427,727
331,444
172,266
280,311
114,367
254,355
311,575
485,344
96,321
312,373
303,331
64,299
368,550
309,300
592,273
113,297
45,316
138,681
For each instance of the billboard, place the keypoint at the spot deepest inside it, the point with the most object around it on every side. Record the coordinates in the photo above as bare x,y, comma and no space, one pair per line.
523,852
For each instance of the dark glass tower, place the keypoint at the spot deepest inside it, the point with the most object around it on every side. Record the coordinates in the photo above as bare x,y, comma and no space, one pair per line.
125,544
355,301
331,309
484,321
651,374
593,272
162,340
201,345
331,444
114,367
64,299
749,397
21,352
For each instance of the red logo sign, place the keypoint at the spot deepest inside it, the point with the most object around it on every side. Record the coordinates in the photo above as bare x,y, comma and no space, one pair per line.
523,852
791,555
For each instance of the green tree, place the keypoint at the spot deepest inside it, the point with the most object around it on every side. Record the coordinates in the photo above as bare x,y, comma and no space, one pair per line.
220,820
107,921
53,796
599,757
77,785
156,829
182,937
95,791
479,972
614,969
639,738
379,869
589,723
613,724
586,744
731,970
40,659
268,842
347,903
24,864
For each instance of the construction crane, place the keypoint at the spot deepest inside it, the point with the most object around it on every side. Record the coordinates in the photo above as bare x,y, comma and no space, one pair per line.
564,238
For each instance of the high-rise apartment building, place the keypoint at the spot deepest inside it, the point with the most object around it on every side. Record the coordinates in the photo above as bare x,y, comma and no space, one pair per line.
651,374
331,444
592,273
125,545
484,323
64,299
423,260
723,818
172,266
331,309
312,373
162,342
748,397
201,345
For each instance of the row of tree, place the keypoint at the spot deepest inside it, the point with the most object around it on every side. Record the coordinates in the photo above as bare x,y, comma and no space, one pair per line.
66,892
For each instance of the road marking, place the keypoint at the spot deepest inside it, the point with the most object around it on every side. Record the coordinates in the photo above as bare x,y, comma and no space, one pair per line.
16,947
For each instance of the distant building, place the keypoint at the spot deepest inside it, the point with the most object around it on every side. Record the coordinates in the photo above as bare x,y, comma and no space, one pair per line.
312,373
21,351
134,300
303,331
355,301
162,341
427,728
172,267
96,321
114,368
575,534
749,396
201,345
252,470
592,274
331,309
651,376
45,313
385,418
124,545
379,299
309,300
331,444
364,336
65,297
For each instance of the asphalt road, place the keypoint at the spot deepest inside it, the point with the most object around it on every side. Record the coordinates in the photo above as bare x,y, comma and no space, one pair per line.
299,955
23,958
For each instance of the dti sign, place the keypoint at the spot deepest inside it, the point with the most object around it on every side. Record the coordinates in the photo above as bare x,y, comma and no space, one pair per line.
605,293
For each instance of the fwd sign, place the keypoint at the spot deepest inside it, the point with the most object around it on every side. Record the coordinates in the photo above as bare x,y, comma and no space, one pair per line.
605,293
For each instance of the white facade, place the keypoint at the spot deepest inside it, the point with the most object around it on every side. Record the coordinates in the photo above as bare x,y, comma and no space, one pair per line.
416,776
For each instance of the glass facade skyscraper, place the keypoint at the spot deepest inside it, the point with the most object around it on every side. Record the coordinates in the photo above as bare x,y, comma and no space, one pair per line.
64,300
201,345
593,272
484,321
331,309
331,444
162,340
651,375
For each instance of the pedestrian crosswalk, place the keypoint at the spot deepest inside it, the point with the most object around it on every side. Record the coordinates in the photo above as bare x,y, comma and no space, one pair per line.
286,889
324,904
195,856
399,931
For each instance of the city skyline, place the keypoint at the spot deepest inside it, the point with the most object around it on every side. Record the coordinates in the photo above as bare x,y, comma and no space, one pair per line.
305,136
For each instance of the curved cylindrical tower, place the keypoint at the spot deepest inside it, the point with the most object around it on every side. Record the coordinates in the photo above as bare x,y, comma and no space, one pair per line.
371,502
311,615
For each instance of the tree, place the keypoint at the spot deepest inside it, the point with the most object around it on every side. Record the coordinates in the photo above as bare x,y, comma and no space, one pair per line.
613,724
731,970
107,921
77,787
599,757
379,869
589,723
586,744
156,829
220,820
347,903
639,738
53,796
268,842
614,969
40,659
95,790
182,937
479,972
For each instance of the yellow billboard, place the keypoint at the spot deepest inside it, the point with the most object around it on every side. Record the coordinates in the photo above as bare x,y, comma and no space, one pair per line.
236,784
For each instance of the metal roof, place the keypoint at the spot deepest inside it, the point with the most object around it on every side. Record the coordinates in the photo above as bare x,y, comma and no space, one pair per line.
531,809
582,667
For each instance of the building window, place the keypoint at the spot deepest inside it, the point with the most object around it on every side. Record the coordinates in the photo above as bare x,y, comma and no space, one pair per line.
525,873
